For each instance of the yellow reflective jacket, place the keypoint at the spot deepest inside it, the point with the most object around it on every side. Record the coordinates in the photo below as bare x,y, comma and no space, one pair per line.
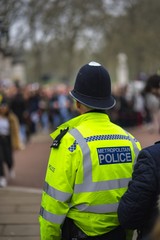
86,176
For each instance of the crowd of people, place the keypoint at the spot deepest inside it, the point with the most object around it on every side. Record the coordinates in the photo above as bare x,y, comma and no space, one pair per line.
138,103
23,112
38,108
41,108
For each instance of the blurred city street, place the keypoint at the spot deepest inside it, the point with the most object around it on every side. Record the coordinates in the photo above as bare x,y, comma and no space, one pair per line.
20,201
30,163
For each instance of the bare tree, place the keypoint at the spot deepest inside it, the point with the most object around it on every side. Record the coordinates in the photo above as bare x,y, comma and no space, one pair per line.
135,32
58,36
65,27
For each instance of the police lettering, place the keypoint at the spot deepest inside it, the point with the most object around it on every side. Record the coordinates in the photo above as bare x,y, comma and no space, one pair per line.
114,155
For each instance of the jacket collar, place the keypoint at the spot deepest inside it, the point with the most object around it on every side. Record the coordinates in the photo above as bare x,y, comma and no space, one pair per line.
74,122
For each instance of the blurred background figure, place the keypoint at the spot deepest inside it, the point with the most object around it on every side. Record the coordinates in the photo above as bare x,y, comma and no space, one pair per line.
129,110
138,102
33,101
9,140
151,95
54,110
60,105
18,106
44,112
63,103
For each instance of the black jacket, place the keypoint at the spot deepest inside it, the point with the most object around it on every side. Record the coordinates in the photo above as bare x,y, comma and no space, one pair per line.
138,206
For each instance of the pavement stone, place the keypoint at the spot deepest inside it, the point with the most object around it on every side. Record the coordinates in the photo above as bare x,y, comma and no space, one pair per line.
19,206
21,230
20,238
19,211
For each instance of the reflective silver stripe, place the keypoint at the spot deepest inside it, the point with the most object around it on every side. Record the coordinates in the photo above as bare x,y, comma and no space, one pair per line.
100,186
87,167
103,208
54,193
136,150
54,218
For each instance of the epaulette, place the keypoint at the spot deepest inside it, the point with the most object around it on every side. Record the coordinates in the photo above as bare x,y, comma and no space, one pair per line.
57,140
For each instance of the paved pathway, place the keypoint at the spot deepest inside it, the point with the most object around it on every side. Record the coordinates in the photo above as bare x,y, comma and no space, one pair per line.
20,201
31,163
19,210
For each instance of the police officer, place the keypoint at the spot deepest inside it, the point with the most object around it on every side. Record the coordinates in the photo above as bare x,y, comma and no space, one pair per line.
90,164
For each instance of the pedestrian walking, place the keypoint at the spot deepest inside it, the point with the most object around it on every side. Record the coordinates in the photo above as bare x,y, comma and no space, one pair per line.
9,140
90,165
138,208
18,105
152,103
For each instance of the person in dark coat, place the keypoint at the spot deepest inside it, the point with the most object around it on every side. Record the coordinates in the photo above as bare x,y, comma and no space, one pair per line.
138,208
19,107
9,140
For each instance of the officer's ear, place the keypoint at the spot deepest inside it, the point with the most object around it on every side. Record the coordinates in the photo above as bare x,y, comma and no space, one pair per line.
78,105
82,108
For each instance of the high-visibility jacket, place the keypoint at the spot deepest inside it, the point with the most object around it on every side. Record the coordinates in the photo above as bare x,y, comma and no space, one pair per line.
86,176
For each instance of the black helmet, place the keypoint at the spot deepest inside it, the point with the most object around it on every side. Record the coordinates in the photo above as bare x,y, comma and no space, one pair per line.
93,87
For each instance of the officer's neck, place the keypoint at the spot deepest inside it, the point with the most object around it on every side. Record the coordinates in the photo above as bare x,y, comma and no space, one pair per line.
97,110
84,109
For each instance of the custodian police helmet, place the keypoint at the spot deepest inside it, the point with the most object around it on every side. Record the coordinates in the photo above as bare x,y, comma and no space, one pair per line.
93,87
